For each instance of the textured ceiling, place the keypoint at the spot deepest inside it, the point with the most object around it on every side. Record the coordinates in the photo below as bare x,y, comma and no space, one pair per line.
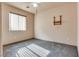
43,5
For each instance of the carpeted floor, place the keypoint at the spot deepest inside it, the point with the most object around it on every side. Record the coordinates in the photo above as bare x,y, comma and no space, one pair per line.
56,49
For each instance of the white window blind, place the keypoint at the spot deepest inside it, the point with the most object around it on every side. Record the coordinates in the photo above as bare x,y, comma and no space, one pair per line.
17,22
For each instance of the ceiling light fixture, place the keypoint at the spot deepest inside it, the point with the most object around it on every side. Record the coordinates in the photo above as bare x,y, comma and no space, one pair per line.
35,5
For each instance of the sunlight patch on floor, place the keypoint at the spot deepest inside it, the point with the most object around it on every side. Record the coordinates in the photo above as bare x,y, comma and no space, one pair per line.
32,50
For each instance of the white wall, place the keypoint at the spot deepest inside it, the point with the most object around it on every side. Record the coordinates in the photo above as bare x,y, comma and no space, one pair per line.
65,33
0,29
78,27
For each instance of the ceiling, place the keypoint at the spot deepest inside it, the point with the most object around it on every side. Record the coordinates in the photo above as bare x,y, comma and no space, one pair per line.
43,5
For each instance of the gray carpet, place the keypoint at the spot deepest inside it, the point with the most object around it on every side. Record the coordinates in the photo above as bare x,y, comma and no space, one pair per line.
56,49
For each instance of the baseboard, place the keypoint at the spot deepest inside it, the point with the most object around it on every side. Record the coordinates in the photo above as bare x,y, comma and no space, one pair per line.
18,41
56,42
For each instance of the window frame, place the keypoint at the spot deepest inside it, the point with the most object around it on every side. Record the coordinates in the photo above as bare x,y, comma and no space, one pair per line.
18,19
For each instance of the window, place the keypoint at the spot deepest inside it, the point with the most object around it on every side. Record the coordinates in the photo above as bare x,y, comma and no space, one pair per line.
17,22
